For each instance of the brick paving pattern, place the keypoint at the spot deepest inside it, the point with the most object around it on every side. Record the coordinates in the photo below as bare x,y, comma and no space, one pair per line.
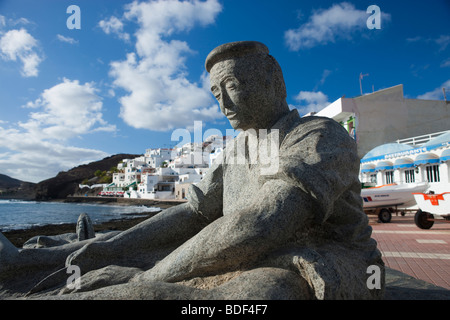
423,254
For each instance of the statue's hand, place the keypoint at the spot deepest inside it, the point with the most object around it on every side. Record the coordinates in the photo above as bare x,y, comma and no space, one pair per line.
107,276
92,256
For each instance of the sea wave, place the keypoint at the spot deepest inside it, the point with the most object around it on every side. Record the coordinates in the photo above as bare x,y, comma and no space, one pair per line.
9,201
18,214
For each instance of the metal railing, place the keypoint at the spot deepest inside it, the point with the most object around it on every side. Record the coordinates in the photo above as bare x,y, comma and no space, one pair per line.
420,140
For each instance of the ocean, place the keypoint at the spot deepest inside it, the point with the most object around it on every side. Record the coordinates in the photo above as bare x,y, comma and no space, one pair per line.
15,214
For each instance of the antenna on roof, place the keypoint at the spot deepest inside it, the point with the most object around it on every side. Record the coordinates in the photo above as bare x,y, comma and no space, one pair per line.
360,78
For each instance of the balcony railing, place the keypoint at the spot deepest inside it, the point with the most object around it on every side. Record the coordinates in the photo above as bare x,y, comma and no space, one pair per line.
420,140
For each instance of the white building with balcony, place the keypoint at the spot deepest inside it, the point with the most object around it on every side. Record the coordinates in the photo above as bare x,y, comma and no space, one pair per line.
386,115
419,159
156,157
400,141
161,184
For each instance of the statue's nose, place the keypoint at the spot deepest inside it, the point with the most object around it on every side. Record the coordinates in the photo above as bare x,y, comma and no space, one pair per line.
227,104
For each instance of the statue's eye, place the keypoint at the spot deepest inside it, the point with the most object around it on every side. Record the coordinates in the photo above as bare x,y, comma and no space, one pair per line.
231,85
216,92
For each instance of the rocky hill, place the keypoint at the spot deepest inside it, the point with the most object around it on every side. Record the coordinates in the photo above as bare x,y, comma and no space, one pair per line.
8,182
66,182
11,188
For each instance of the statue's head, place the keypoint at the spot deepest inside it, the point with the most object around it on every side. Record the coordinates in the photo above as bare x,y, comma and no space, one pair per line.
248,83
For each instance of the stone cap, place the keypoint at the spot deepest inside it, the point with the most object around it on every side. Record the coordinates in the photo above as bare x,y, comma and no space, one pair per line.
234,50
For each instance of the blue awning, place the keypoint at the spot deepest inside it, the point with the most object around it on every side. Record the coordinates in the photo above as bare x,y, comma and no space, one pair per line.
425,159
388,148
384,165
445,156
441,140
368,168
403,163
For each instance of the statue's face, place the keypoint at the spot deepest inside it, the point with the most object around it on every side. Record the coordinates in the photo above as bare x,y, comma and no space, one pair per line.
242,94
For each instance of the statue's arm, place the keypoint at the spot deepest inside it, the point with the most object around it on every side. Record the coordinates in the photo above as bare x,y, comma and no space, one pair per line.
181,222
312,175
236,239
171,227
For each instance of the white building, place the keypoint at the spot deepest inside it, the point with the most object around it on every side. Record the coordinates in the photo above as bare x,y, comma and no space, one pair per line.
420,159
161,184
156,157
400,141
385,116
119,179
196,159
123,164
156,174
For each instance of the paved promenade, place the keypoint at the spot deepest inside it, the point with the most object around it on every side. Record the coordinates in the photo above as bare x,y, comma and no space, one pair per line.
422,254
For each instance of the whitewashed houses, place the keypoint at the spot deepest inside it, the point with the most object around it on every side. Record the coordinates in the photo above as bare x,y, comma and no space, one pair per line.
156,174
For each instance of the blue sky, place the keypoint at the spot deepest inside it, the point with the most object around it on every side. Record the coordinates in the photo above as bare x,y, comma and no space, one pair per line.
134,71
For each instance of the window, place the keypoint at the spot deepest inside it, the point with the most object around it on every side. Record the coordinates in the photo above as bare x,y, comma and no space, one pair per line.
373,178
433,173
410,176
389,175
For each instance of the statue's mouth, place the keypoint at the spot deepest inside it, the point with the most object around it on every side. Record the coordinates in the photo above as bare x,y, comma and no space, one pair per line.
231,116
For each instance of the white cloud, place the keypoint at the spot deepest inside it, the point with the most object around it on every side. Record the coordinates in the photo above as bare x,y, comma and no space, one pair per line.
311,101
160,96
39,146
325,75
339,21
66,39
13,22
31,158
18,44
445,63
68,109
114,26
437,94
414,39
442,41
34,160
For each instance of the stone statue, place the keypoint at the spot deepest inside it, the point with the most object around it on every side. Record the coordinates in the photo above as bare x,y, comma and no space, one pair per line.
85,228
296,232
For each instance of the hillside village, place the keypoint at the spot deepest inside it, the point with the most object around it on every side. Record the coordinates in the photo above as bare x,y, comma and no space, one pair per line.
163,173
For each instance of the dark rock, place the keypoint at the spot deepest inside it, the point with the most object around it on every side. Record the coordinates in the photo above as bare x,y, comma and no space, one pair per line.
400,286
66,182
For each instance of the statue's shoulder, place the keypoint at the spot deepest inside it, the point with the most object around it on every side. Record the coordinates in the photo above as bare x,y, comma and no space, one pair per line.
314,130
311,123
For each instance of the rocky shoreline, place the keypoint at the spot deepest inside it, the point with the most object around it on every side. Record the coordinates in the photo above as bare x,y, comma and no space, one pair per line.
163,204
20,236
